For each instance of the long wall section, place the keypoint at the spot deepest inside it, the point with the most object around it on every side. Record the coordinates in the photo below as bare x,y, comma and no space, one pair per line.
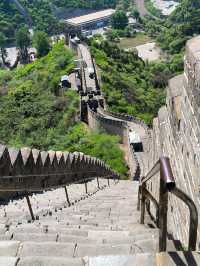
176,133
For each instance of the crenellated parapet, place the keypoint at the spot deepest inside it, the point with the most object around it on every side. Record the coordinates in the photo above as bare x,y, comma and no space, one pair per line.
98,121
30,170
128,118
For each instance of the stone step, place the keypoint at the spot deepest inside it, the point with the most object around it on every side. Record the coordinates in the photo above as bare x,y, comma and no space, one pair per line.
9,261
70,250
52,261
47,249
145,259
35,237
105,224
92,237
9,248
83,250
178,258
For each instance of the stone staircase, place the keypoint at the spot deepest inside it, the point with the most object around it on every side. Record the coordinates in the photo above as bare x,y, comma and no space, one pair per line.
100,228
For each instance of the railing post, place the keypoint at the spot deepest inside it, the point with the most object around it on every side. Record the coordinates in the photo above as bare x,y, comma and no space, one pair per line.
142,204
98,183
163,208
139,195
86,189
30,208
193,217
67,196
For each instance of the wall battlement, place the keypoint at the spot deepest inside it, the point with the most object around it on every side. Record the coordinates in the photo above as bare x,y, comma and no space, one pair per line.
33,170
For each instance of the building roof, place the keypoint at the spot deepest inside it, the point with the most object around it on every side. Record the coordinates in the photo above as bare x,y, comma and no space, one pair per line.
76,21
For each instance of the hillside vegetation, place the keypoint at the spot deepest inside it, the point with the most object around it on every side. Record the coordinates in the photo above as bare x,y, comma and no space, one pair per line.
98,144
30,113
180,26
131,85
10,19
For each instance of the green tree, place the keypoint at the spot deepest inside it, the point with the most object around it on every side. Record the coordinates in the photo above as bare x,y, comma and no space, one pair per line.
41,43
3,52
119,20
135,13
23,41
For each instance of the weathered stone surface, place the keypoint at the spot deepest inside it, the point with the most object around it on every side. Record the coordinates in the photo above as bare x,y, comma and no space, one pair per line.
98,250
9,248
45,261
35,237
134,260
107,234
78,239
8,261
49,249
73,232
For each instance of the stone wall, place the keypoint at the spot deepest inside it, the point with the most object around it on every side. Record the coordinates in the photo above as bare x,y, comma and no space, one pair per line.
104,121
178,129
33,170
97,121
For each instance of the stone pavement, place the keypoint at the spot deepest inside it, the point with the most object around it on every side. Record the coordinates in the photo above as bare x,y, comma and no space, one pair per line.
98,227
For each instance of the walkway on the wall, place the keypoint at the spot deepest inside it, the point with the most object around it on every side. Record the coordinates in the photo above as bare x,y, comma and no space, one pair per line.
131,124
89,84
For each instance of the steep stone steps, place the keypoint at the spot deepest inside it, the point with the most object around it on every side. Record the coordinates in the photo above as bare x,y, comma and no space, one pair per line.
103,224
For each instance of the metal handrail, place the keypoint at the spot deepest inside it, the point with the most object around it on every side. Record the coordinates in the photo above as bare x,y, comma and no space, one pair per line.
167,184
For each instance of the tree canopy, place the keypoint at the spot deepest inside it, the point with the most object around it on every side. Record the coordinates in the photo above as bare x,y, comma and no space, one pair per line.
119,20
180,26
41,43
23,42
